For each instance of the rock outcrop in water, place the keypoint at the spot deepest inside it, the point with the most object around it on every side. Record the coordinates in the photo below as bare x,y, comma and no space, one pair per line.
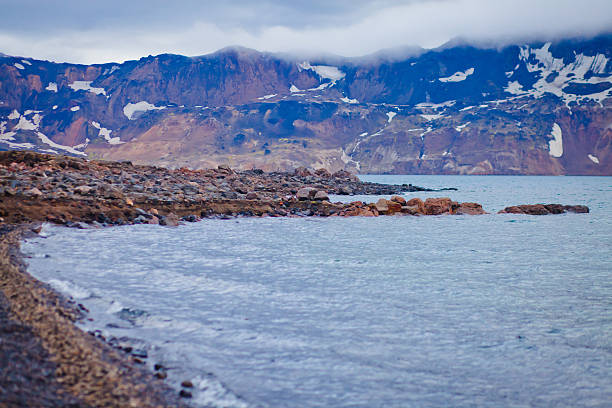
544,209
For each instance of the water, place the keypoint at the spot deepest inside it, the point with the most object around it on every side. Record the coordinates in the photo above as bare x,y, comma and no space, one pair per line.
493,310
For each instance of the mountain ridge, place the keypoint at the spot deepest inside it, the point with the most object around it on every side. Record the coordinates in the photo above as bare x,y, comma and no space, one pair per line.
458,110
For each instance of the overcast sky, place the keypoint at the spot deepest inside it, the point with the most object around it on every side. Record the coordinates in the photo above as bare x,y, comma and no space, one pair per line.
92,31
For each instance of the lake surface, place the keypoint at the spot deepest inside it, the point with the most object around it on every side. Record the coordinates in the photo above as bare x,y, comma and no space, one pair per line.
492,310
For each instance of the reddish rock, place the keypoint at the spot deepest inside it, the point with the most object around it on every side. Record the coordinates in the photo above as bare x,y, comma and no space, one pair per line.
382,206
437,206
411,210
544,209
306,193
394,207
416,202
470,209
398,199
359,209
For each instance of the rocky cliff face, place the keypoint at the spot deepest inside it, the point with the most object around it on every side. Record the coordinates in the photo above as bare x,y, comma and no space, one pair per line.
525,109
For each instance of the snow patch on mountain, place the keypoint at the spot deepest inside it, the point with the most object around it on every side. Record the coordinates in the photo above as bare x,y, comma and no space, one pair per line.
556,76
322,86
390,116
458,76
594,159
110,70
294,89
26,62
436,106
32,124
348,100
432,117
262,98
43,138
75,108
461,127
18,66
556,145
324,71
105,133
52,87
131,109
86,86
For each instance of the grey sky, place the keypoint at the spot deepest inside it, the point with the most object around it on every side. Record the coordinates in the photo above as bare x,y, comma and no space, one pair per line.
89,31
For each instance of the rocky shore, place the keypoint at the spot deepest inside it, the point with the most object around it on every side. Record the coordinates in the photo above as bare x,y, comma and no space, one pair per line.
46,361
72,191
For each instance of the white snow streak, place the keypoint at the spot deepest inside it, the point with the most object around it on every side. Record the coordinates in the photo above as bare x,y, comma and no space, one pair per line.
86,86
594,159
52,87
131,109
105,133
458,76
556,146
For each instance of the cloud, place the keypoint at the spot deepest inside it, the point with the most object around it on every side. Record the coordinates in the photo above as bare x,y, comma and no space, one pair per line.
349,28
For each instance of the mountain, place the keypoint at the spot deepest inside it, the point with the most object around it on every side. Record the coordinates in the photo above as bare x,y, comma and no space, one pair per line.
540,108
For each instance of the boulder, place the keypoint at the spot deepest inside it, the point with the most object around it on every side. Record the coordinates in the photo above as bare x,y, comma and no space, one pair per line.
411,210
321,196
580,209
437,206
418,203
529,209
170,220
394,207
382,206
306,193
251,195
398,199
470,209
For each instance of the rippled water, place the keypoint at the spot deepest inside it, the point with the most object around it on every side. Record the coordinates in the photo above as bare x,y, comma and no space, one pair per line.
493,310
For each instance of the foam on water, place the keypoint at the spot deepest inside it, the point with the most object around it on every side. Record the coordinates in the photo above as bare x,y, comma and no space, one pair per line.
491,310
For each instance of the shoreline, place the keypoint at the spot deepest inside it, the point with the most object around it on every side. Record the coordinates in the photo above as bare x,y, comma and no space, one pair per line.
64,366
